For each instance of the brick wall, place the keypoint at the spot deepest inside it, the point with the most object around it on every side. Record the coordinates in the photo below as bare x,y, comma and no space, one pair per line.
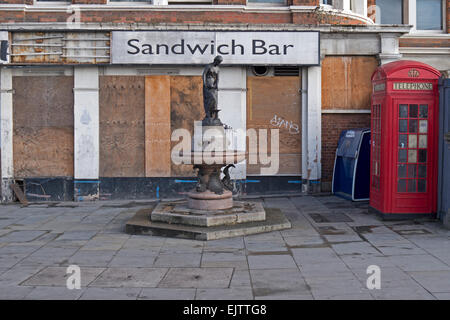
424,42
332,126
154,17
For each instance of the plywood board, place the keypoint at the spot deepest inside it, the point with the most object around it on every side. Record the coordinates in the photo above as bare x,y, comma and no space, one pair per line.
275,103
43,126
346,82
122,129
157,126
186,107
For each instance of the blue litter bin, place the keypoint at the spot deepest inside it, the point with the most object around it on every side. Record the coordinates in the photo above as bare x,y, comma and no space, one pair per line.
351,174
444,152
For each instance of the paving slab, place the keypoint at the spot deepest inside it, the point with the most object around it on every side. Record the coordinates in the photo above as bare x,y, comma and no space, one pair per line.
92,258
433,281
235,259
130,277
419,263
225,294
134,258
57,277
268,283
182,260
111,294
280,261
22,236
240,278
260,246
442,296
197,278
14,293
54,293
299,241
225,245
77,235
167,294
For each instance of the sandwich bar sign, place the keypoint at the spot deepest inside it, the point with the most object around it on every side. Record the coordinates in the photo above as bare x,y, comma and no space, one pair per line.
200,47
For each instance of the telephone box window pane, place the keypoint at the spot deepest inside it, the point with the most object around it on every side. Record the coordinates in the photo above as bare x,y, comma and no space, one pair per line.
402,170
423,141
412,126
403,125
421,185
401,187
411,171
411,185
412,156
422,155
413,111
422,172
412,141
423,111
402,155
403,111
423,126
402,140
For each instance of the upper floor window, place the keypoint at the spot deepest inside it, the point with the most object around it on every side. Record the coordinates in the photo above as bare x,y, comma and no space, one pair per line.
389,12
267,2
423,15
429,15
327,2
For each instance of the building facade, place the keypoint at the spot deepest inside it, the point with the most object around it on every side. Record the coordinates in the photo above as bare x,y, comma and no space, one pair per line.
93,91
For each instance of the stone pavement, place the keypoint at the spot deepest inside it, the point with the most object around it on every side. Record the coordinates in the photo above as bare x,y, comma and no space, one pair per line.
324,256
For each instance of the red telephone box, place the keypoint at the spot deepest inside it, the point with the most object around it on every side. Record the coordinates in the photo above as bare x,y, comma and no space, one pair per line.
404,127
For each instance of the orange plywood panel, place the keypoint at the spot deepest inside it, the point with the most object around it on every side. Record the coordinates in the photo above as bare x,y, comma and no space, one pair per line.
275,103
43,126
122,130
186,99
157,126
346,82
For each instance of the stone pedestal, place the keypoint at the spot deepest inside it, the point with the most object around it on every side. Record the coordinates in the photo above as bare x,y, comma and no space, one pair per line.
210,201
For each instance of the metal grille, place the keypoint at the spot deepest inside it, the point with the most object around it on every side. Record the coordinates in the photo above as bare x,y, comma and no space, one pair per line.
287,71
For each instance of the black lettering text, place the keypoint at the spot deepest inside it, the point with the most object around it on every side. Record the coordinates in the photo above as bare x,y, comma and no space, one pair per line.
259,47
131,45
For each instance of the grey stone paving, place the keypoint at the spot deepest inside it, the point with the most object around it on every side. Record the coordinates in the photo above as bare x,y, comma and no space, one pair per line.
324,256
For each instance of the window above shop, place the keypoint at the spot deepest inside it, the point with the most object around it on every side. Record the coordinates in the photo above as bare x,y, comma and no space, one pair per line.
52,2
423,15
389,11
429,15
267,2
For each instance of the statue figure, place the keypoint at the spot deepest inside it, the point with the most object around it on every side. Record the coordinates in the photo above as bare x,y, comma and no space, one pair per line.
210,92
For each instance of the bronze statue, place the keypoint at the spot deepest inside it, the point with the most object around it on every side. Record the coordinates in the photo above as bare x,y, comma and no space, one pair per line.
210,92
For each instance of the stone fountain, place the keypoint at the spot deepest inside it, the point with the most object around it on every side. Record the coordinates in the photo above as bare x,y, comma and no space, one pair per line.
209,212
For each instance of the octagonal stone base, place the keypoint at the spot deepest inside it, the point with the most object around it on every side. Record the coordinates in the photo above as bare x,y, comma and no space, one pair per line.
180,213
141,224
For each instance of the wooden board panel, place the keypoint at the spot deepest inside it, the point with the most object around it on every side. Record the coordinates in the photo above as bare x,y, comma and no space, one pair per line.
157,126
346,82
122,130
186,107
43,126
275,103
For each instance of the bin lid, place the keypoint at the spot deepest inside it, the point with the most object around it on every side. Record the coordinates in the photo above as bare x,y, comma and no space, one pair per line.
349,142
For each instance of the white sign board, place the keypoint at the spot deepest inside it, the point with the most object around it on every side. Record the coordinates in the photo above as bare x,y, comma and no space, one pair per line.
200,47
